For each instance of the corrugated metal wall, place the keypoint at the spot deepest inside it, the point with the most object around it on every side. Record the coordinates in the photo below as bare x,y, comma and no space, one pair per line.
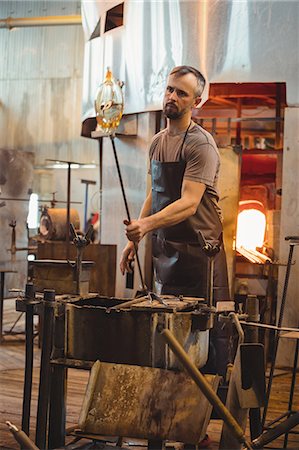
41,71
41,84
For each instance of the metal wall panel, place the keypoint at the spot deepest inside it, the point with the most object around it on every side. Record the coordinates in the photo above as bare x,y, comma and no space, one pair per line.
16,177
41,84
289,226
229,41
41,73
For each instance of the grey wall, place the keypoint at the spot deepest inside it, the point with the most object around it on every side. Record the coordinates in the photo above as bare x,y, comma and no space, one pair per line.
289,227
16,177
41,72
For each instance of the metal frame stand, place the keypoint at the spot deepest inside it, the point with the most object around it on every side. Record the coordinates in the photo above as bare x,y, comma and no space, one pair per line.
290,412
2,284
293,241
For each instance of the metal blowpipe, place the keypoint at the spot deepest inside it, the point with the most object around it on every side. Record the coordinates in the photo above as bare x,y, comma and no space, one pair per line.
109,105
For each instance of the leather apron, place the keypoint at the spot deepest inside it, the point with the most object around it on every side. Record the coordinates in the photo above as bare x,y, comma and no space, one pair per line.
179,262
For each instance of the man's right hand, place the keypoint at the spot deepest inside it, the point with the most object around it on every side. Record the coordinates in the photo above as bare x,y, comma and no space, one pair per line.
127,257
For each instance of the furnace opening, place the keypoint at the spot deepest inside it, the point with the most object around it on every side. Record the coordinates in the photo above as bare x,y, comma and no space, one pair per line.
251,227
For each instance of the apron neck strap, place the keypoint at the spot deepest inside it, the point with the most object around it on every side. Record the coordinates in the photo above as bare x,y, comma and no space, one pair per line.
184,139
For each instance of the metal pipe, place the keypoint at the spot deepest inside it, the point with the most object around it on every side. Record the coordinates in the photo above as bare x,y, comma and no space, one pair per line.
272,434
235,319
87,183
277,336
100,187
57,408
21,437
204,386
278,117
68,212
210,281
127,210
45,370
27,391
18,22
292,390
252,311
1,302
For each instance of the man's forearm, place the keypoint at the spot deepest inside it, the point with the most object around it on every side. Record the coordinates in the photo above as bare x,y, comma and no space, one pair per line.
172,214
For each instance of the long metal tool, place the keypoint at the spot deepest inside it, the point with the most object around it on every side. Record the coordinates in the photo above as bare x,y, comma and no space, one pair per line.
127,210
29,300
21,437
294,240
45,370
206,389
80,243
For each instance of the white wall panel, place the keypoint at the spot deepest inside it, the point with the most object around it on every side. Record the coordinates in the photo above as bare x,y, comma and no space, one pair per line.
289,226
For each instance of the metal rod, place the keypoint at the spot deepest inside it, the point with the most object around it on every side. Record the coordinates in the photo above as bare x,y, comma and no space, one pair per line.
210,280
28,371
204,386
238,124
17,22
252,311
290,404
234,317
127,209
100,186
278,116
85,206
57,408
87,183
127,304
45,370
21,437
1,303
267,327
272,434
27,391
68,210
276,340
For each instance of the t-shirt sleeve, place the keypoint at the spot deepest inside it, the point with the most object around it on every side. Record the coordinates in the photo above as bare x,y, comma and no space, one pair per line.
151,152
202,163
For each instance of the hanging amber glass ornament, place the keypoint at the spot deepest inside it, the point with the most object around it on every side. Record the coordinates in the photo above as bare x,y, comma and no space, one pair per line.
109,104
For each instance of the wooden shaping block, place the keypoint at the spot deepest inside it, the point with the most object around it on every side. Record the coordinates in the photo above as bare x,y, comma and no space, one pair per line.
146,403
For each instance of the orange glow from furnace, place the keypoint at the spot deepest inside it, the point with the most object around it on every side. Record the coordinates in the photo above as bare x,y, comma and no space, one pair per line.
251,228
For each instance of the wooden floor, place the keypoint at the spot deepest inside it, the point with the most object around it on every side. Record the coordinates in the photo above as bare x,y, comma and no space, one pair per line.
11,392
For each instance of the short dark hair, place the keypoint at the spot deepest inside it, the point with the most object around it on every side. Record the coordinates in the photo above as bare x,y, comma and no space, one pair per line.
184,70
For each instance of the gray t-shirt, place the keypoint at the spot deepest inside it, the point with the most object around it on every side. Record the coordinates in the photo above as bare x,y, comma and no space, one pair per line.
199,151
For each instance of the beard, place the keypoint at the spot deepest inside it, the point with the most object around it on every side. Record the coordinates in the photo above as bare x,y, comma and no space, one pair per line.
171,111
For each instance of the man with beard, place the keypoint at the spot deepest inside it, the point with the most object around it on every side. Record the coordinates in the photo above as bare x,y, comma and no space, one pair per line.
182,210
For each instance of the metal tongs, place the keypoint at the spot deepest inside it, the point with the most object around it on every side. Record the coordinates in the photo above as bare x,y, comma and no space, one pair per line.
80,243
140,297
152,296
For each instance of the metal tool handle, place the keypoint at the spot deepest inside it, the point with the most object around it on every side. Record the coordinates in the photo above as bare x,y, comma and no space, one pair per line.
127,210
204,386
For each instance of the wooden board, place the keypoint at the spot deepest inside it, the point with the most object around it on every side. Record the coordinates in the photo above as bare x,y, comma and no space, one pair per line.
103,274
144,402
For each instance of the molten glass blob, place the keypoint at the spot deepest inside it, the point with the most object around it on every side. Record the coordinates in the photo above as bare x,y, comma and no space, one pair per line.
109,104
